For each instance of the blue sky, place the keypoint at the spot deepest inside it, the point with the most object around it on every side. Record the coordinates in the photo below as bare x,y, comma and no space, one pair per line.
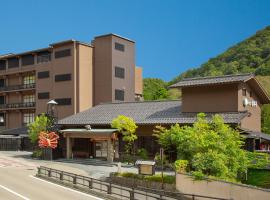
171,35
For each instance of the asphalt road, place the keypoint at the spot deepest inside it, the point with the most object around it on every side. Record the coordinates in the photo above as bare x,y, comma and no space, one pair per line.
17,181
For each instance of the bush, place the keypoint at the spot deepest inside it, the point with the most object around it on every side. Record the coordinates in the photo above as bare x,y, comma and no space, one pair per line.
143,154
37,153
181,165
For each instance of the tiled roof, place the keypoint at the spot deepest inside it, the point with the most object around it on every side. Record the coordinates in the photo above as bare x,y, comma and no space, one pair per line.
255,134
147,112
14,131
213,80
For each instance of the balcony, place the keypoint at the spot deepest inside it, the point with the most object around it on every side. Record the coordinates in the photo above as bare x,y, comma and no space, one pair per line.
16,106
12,88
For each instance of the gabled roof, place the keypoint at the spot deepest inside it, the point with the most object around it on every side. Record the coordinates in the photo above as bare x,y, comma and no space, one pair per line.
147,112
227,79
213,80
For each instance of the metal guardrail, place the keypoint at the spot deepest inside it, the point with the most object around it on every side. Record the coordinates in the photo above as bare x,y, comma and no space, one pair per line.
115,190
18,105
17,87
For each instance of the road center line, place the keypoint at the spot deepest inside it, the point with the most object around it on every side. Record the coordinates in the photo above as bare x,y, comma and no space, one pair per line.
66,188
13,192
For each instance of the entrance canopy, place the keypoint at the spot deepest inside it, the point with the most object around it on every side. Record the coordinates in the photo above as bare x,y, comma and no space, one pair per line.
88,133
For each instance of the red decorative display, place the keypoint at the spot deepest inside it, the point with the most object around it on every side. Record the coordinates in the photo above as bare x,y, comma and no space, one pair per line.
48,140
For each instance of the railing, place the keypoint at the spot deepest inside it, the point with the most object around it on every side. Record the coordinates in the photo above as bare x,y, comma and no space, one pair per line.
17,87
114,190
17,105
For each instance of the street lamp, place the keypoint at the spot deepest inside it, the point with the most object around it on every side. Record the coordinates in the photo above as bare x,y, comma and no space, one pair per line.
52,112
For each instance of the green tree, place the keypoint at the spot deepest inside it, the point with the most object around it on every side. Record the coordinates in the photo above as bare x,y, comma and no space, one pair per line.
40,124
127,127
211,148
266,119
154,89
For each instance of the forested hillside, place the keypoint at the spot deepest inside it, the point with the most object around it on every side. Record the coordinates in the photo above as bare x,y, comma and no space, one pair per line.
250,55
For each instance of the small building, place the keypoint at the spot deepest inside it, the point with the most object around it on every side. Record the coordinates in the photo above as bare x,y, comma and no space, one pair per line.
237,98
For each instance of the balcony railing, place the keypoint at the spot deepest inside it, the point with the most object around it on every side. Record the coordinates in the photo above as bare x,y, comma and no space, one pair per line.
18,105
17,87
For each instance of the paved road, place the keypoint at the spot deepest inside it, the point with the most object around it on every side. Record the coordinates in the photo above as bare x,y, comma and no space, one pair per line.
17,181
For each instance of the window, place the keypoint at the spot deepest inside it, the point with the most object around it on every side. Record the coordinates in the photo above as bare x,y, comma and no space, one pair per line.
2,83
2,65
2,119
13,62
119,95
2,100
63,101
45,74
119,47
119,72
29,98
244,92
62,53
28,60
30,79
62,77
44,56
43,95
28,118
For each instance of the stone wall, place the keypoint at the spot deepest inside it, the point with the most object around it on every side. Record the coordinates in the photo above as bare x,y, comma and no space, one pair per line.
186,184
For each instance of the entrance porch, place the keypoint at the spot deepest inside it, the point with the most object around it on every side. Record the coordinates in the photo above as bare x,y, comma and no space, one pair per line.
91,143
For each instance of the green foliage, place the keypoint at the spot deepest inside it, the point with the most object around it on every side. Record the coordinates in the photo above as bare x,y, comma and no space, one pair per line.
259,178
181,165
257,160
251,55
127,127
37,153
266,119
155,178
142,153
154,89
213,149
40,124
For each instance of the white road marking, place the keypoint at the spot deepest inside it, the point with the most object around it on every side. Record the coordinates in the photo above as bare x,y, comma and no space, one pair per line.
66,188
13,192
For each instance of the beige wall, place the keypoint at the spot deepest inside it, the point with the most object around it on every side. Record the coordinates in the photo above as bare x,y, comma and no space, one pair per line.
186,184
84,77
214,98
138,81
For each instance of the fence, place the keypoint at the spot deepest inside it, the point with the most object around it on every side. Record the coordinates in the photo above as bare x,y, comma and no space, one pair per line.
113,190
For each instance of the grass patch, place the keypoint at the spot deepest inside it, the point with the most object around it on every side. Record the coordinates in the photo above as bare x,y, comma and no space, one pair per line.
155,178
259,178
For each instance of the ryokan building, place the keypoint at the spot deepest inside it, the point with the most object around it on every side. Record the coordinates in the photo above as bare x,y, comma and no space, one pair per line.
237,98
75,74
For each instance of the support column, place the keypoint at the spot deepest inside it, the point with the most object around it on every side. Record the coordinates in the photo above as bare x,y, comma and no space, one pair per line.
110,153
68,147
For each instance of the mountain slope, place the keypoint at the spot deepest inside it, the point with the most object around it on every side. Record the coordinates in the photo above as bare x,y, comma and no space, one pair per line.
250,55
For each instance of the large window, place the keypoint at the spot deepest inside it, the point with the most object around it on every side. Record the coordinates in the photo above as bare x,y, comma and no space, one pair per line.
45,74
2,65
63,101
119,47
28,118
13,62
43,95
62,53
44,56
28,60
29,98
29,80
119,95
119,72
2,100
62,77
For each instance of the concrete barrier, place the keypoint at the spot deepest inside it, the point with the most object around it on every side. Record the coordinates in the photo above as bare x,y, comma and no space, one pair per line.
222,189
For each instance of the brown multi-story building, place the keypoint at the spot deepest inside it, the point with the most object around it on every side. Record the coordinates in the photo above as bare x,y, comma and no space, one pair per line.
76,75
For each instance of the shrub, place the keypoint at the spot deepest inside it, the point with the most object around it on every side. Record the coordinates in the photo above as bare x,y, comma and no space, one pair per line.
37,153
181,165
143,154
